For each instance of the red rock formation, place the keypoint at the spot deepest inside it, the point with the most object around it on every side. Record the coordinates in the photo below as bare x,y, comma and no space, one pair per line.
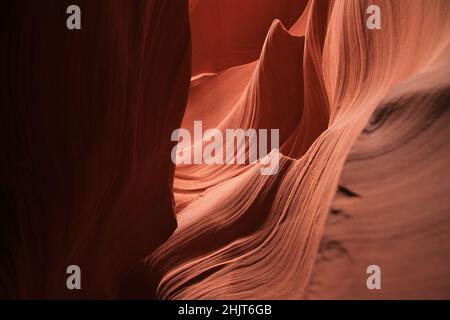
331,85
86,175
230,33
87,179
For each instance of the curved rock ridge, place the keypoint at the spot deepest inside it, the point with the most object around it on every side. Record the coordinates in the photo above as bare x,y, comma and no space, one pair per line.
232,32
399,208
237,104
362,116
